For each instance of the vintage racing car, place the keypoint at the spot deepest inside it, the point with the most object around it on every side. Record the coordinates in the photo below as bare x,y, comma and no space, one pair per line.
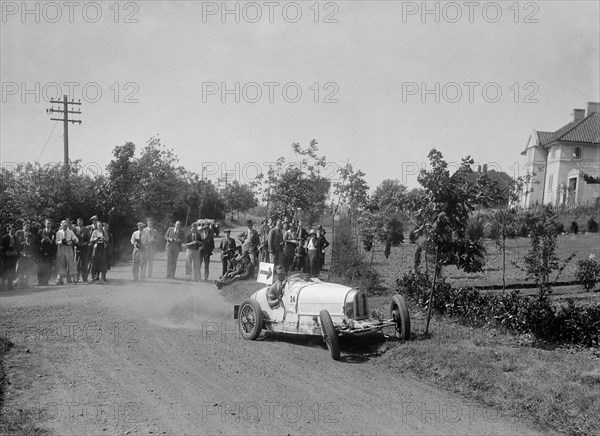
319,308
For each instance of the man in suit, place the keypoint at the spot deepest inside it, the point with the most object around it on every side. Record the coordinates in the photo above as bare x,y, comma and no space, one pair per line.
10,251
174,238
65,257
275,242
207,246
139,260
228,250
250,241
150,239
47,248
192,255
82,250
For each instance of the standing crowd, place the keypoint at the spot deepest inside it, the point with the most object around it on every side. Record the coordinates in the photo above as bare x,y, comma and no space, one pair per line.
73,252
284,243
82,253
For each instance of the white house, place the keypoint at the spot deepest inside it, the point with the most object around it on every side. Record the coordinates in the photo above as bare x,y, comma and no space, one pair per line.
560,159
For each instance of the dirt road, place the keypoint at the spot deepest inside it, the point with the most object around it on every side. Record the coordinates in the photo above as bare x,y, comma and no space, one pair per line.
164,357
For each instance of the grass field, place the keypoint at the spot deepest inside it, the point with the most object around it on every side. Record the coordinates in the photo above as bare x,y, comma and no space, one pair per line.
557,388
401,260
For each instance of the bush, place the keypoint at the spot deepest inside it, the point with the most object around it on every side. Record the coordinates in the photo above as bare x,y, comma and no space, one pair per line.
588,273
413,236
592,225
347,263
574,227
515,313
475,228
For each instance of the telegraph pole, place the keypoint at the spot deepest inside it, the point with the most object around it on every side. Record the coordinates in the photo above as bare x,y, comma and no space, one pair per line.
65,119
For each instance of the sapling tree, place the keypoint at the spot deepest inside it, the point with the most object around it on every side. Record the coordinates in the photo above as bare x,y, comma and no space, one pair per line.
443,212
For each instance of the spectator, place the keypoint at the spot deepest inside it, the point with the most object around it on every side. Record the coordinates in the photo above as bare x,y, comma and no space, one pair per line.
323,244
313,250
228,251
150,239
289,247
250,242
275,242
27,261
192,255
65,256
11,249
82,250
243,270
98,241
207,245
110,248
174,238
47,252
139,260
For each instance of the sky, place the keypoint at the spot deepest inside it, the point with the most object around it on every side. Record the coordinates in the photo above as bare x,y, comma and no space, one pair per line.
229,86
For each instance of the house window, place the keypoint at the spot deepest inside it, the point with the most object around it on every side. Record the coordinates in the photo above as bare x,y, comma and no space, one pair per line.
550,182
577,153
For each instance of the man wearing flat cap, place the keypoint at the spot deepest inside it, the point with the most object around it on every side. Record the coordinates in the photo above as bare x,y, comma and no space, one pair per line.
228,251
207,245
250,240
139,260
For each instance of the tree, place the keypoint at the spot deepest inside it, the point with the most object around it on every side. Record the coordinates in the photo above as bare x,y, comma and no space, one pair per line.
35,192
298,185
541,259
443,212
238,198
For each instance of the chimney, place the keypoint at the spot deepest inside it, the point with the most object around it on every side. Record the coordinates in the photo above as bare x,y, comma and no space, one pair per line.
577,115
593,107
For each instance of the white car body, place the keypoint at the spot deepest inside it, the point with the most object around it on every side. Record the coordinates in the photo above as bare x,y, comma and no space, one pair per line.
303,304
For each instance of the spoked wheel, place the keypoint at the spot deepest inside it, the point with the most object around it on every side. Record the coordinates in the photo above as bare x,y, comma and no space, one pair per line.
330,335
399,313
250,319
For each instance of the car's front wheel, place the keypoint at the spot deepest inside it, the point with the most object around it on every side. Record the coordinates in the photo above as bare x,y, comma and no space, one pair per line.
250,319
399,313
330,335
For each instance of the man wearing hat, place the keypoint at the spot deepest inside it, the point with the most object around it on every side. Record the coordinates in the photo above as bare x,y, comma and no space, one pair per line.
250,240
228,250
174,238
149,240
207,245
82,250
192,255
47,251
139,260
27,260
313,249
65,256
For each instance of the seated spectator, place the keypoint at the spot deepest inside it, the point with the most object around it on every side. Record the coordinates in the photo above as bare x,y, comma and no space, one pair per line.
242,271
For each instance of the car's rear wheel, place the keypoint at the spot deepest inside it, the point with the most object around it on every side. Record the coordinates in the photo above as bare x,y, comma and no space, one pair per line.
330,335
250,319
399,313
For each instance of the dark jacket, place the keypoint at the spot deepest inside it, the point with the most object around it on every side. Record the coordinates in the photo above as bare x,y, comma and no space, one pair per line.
207,244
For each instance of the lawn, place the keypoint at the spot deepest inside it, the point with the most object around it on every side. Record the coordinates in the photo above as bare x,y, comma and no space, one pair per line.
401,260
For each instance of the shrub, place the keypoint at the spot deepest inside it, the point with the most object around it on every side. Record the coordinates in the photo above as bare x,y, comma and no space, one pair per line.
416,285
347,263
592,225
475,228
513,312
413,236
588,273
574,227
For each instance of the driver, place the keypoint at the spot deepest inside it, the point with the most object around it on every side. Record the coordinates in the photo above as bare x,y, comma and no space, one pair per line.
275,291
